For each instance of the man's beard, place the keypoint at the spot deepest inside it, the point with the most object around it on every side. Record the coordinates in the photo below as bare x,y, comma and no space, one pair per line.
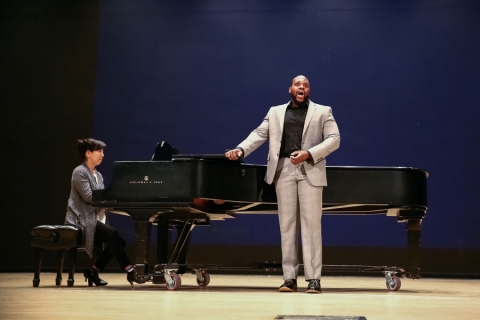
298,103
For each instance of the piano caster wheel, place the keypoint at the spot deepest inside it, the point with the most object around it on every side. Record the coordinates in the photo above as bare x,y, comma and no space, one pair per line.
394,283
173,281
205,281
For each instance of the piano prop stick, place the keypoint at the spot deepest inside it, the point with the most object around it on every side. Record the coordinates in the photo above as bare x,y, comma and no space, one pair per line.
182,191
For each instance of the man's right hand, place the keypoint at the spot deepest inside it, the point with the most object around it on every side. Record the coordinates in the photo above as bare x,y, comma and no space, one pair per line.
234,154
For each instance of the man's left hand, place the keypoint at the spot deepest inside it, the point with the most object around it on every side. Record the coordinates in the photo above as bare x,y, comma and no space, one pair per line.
299,156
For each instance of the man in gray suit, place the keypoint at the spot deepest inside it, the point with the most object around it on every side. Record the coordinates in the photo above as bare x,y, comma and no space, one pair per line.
301,134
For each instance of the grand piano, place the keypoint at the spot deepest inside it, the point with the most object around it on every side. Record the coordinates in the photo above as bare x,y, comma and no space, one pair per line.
189,190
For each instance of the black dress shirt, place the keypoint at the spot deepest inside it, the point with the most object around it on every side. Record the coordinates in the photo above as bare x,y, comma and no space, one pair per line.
293,129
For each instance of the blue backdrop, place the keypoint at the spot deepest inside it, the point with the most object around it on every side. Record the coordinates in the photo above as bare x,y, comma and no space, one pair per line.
402,78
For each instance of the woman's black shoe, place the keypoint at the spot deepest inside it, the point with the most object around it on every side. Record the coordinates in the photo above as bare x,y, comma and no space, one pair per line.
92,277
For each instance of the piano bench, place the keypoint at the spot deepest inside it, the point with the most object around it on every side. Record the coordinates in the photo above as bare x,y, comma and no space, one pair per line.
57,238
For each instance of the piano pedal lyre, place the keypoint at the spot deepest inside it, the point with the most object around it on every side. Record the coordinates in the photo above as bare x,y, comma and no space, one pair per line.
142,272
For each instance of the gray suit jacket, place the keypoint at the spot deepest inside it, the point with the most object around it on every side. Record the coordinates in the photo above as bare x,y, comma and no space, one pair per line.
79,209
320,137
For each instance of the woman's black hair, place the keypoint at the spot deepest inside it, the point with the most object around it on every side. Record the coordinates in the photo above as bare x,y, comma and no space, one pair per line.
89,144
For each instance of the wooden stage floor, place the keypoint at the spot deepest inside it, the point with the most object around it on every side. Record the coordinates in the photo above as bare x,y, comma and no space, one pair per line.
236,297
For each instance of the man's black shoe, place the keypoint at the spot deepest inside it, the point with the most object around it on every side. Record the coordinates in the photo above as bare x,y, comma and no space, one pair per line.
314,286
289,285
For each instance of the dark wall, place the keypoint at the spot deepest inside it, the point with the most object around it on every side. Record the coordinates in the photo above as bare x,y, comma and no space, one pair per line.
202,74
48,60
401,77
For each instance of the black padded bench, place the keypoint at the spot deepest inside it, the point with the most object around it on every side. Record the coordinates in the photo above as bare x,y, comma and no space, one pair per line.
58,238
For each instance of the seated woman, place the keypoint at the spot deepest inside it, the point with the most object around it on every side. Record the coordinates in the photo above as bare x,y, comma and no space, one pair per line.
80,212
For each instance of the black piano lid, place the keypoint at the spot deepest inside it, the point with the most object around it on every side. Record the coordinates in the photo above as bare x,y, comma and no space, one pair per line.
378,168
200,156
221,157
216,157
211,176
164,147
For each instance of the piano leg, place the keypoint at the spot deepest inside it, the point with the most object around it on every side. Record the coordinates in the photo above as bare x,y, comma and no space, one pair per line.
414,227
142,237
162,241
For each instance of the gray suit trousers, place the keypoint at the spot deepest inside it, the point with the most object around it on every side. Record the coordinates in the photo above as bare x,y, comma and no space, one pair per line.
299,203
